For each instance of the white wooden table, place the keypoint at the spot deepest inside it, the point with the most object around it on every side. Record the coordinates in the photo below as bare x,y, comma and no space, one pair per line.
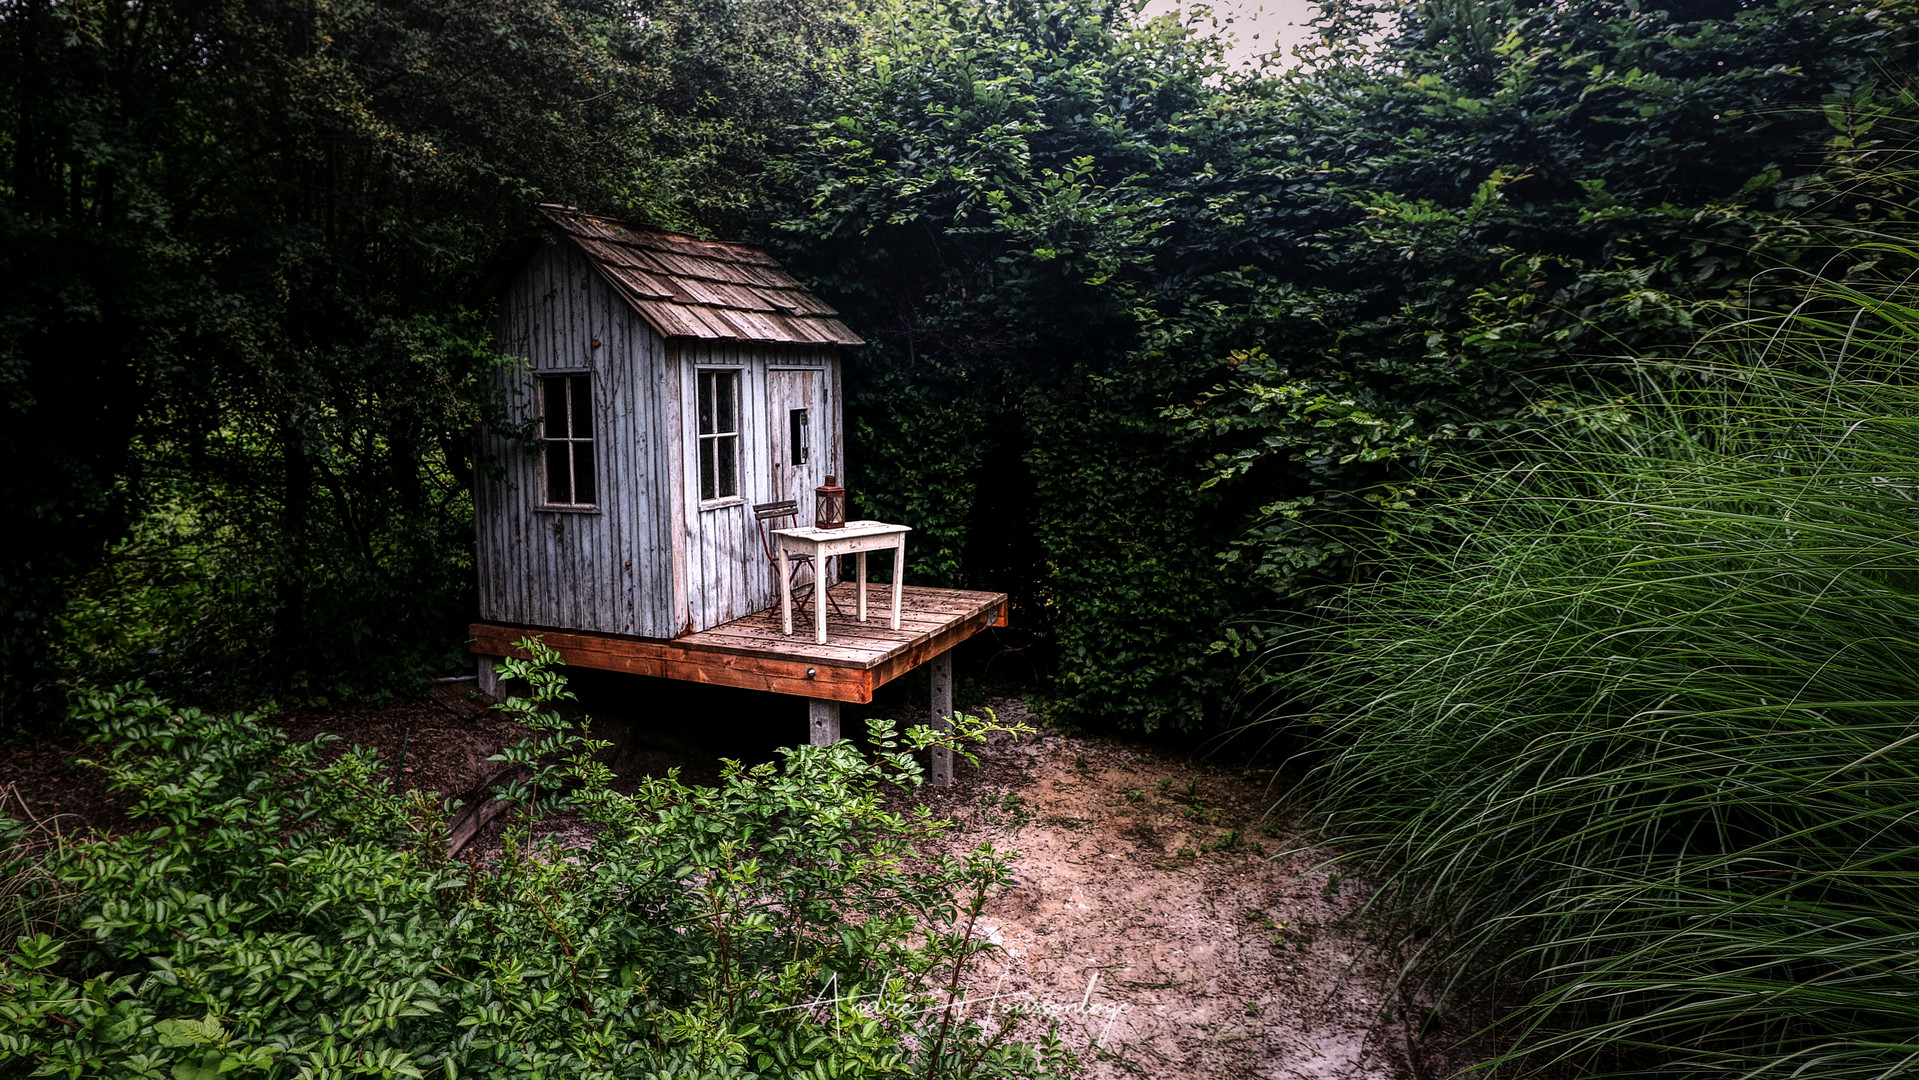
857,538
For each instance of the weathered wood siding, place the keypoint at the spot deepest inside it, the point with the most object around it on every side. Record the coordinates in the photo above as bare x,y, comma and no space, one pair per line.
649,559
726,572
609,569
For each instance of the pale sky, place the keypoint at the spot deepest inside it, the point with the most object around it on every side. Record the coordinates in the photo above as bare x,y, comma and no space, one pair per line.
1258,26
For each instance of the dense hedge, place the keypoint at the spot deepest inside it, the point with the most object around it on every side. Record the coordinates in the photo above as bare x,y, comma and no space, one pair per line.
1194,316
1142,327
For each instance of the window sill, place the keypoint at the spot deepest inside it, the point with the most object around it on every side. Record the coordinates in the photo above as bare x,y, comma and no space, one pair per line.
567,509
721,504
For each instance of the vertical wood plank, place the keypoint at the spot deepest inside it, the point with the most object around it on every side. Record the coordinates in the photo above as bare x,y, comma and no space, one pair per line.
490,683
679,464
822,721
836,429
940,771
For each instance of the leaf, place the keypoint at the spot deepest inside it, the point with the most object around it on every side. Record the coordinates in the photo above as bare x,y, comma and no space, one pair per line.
206,1065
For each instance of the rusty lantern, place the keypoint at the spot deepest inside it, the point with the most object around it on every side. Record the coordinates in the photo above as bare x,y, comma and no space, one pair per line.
829,505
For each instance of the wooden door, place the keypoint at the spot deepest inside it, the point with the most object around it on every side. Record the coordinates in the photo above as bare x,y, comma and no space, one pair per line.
796,431
796,428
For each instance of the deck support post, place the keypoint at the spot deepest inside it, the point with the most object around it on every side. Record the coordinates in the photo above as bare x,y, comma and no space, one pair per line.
490,682
822,721
941,757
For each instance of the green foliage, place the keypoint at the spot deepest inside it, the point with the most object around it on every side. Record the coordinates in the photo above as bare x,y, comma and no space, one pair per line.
1501,195
988,198
1145,332
1200,318
1133,603
277,915
917,463
1633,722
240,242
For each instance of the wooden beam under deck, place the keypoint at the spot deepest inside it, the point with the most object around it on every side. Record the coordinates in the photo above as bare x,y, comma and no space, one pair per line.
751,653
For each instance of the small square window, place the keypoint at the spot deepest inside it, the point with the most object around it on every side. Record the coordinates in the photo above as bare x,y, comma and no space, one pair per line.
798,435
719,435
567,405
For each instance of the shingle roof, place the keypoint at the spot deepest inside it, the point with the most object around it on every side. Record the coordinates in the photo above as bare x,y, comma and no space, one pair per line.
686,287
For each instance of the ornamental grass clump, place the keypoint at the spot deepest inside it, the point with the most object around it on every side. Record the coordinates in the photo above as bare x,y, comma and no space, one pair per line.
1633,731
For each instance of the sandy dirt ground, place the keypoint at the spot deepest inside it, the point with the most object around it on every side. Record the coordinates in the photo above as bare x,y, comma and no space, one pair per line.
1157,922
1162,917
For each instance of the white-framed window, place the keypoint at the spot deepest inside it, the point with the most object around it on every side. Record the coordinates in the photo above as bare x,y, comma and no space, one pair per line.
719,433
566,401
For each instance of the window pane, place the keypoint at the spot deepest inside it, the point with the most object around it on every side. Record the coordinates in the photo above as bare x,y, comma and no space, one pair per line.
706,403
706,468
726,390
583,473
557,474
553,395
728,478
582,410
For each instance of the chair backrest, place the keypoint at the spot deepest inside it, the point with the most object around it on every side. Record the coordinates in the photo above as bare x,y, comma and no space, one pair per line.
770,510
773,511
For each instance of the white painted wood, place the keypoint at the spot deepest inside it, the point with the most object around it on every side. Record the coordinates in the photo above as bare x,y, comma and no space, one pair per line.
856,538
819,602
607,569
789,389
647,559
940,758
899,576
786,591
727,576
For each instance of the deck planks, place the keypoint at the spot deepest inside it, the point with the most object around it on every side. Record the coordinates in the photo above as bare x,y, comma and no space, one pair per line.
752,653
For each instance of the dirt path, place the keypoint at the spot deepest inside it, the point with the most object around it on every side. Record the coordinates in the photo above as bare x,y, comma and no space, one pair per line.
1151,917
1153,921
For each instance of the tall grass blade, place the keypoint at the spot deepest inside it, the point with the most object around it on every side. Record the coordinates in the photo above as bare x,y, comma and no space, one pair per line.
1637,724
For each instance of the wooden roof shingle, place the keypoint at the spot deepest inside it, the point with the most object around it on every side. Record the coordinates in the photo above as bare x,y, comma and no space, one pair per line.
687,287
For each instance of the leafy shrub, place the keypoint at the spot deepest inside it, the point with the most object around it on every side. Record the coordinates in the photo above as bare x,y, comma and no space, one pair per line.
1072,233
1636,722
280,916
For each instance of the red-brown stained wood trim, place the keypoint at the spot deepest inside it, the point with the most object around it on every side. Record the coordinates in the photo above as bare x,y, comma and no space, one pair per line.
667,660
930,646
752,654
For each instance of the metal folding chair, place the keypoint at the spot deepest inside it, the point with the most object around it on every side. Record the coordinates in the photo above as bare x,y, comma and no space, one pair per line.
775,511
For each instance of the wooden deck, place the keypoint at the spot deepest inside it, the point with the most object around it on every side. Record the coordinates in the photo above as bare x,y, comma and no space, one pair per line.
751,653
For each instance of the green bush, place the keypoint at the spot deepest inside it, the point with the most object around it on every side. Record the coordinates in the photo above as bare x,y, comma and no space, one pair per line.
1191,314
278,916
1637,720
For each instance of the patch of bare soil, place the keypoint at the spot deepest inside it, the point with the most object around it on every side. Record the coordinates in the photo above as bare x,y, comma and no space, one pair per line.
1155,921
1160,915
44,785
436,743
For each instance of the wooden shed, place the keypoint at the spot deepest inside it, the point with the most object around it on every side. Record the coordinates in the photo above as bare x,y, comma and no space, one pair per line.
672,385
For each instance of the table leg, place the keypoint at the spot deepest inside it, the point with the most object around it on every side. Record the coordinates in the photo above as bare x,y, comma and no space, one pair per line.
862,558
899,576
785,570
819,601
